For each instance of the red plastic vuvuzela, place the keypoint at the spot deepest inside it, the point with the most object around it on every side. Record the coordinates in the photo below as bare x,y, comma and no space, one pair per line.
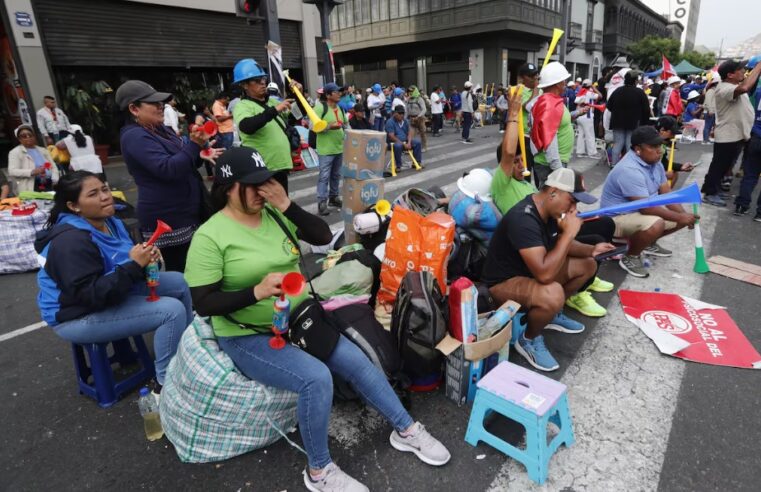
293,283
210,128
161,228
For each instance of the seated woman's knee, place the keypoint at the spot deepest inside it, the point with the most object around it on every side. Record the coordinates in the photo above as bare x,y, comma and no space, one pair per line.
320,380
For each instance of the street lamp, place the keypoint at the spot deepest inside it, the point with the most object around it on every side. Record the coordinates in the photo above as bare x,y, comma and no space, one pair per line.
326,7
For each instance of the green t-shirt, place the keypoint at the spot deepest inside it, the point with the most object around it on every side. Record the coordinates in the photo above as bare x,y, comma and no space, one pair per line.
241,256
506,191
270,140
565,140
331,142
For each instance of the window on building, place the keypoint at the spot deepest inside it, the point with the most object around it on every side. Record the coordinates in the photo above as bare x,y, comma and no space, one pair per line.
383,9
413,7
358,18
404,8
375,9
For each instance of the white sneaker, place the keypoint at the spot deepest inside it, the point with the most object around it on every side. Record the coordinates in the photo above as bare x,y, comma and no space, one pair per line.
424,445
334,480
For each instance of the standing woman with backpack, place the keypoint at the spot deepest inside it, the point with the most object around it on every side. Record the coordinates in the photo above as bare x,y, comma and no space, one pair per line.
256,226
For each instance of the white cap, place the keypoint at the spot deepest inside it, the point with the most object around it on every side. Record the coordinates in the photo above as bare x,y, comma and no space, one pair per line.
468,84
476,182
673,79
273,85
587,82
551,74
571,83
693,95
76,128
578,79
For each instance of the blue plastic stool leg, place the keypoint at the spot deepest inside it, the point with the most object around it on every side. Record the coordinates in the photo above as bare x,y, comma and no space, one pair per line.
100,365
123,352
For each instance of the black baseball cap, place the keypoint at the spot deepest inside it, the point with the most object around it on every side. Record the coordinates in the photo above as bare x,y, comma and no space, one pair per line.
669,124
138,91
647,135
528,69
241,165
728,67
399,109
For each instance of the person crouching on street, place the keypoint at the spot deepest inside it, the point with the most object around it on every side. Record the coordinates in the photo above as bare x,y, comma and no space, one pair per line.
535,260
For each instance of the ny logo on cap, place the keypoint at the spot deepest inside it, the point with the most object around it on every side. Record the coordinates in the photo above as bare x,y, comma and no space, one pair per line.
258,161
226,171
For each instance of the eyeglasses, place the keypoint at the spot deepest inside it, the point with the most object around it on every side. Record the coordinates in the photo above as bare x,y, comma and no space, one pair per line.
25,135
260,80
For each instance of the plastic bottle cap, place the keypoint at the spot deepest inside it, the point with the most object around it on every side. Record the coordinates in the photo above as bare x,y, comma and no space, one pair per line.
144,391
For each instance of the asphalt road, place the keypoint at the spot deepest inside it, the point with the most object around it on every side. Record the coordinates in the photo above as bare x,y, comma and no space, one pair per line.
643,421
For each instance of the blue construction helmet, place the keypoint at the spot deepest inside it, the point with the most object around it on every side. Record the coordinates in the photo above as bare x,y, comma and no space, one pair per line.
398,91
245,69
753,61
377,88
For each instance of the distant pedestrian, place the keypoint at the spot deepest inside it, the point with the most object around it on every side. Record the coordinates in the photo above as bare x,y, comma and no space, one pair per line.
469,104
416,111
52,121
398,99
82,151
358,120
224,121
330,146
30,165
501,107
437,110
375,103
585,141
171,116
629,108
672,100
709,109
734,120
456,102
751,166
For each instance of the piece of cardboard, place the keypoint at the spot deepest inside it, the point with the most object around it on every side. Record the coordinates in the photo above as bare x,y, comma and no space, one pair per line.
476,351
358,195
364,154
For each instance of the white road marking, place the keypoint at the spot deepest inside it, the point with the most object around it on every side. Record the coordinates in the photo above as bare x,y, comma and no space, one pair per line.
21,331
622,391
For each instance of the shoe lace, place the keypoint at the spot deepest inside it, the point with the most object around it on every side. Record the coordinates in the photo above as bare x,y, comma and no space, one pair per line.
539,345
584,298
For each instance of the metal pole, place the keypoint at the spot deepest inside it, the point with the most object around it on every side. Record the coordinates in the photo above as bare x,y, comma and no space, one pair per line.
325,7
271,24
564,40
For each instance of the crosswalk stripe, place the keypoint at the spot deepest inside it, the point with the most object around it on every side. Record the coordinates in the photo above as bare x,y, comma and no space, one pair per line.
622,391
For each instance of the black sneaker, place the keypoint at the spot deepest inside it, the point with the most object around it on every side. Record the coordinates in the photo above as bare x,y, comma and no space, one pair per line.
740,210
335,202
726,183
757,218
322,208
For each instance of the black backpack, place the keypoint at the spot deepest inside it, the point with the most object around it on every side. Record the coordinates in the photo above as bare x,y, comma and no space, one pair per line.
418,323
467,258
358,324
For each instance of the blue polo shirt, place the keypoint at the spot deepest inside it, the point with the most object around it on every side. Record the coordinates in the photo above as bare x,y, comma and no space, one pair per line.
632,177
757,123
401,130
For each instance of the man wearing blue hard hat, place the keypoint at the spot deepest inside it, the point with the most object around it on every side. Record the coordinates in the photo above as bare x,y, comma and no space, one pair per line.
262,121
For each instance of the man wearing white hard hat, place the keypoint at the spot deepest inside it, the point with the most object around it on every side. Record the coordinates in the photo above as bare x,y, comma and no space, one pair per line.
552,132
468,102
692,113
472,207
672,101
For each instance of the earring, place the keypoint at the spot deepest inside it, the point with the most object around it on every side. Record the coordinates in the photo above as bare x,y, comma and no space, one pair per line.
77,210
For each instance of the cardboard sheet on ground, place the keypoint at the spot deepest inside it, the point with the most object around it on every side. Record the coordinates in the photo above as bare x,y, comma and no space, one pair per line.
689,329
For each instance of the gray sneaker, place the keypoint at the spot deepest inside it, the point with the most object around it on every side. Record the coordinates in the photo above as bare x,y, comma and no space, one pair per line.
424,445
656,249
633,265
334,480
714,200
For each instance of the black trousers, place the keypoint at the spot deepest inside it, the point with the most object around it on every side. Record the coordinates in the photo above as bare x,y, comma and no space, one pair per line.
175,256
437,123
597,231
724,156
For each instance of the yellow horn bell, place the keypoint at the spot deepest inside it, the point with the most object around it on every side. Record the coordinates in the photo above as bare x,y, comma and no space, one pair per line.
383,208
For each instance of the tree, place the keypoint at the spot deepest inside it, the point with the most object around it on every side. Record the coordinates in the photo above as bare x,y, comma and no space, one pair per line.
700,60
648,50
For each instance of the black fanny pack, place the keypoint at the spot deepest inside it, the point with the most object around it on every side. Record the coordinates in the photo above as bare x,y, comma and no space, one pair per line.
312,330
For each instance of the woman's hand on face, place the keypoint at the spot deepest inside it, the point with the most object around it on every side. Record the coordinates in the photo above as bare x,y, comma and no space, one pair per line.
274,194
198,136
142,254
269,286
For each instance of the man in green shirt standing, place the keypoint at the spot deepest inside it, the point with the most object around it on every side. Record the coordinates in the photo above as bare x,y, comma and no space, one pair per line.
262,120
552,131
330,147
528,73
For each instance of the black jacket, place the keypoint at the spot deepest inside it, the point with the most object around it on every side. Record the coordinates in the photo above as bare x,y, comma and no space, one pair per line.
629,108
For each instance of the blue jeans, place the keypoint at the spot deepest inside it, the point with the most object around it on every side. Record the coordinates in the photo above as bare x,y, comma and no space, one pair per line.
622,140
751,170
467,122
330,173
224,140
295,370
378,124
710,121
169,316
398,149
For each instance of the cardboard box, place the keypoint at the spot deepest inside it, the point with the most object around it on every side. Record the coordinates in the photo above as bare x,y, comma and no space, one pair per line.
364,154
481,349
358,195
461,377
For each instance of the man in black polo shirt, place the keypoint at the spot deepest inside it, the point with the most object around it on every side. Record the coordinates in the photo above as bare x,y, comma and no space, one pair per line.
535,260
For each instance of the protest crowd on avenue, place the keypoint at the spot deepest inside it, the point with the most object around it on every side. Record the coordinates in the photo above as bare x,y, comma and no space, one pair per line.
239,309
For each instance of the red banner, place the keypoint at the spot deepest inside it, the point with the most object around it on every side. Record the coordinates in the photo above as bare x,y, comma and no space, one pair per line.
690,329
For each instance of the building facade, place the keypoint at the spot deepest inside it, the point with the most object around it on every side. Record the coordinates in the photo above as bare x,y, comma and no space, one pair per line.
627,21
584,55
186,47
439,42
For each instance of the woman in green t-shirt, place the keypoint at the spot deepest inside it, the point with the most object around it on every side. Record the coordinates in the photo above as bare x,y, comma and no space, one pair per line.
235,267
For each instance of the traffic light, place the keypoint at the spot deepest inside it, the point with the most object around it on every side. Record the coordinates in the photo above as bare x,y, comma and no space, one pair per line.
250,9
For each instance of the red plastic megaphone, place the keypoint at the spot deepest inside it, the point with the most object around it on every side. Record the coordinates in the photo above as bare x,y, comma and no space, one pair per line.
598,107
210,128
293,283
161,228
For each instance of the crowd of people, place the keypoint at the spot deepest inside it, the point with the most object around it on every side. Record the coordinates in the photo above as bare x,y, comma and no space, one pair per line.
229,248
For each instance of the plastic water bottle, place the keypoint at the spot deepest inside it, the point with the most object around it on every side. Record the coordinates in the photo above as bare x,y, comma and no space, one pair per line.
149,410
496,321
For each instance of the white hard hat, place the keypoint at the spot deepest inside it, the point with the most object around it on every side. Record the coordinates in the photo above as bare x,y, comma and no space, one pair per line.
673,79
551,74
571,83
272,86
587,82
476,182
693,95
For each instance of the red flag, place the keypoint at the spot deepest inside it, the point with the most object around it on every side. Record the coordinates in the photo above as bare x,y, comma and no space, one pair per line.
668,70
547,113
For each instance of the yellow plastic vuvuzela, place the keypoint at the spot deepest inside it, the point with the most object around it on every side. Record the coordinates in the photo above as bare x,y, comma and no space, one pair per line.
383,207
556,35
318,125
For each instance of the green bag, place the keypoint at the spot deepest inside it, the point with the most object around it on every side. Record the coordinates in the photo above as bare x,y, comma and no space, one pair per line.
349,277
